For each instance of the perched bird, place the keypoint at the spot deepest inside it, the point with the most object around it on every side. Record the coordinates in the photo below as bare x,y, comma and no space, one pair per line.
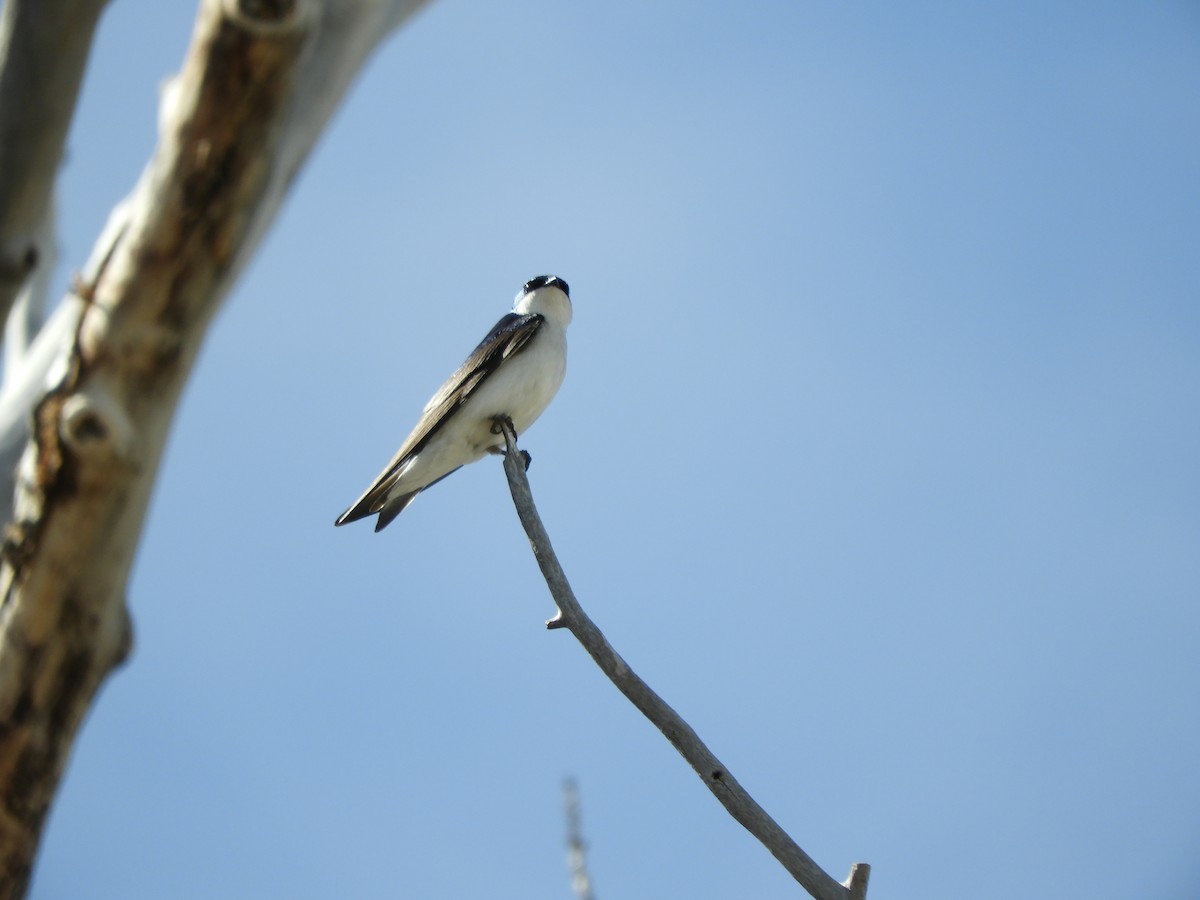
515,372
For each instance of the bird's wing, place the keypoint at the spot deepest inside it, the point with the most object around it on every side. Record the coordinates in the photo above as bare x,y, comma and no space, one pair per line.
509,336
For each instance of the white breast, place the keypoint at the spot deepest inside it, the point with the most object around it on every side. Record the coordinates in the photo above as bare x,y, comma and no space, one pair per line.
524,385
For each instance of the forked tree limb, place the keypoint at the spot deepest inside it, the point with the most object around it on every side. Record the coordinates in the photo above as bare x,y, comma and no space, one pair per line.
90,406
715,775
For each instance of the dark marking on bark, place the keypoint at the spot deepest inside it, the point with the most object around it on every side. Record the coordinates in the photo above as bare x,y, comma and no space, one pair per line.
88,427
17,548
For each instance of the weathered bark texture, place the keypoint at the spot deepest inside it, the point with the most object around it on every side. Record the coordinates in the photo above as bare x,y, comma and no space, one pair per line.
99,385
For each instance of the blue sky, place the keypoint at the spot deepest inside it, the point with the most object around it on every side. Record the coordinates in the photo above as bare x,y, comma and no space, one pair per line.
877,458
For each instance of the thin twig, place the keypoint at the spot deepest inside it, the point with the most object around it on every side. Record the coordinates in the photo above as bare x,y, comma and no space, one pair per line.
711,770
581,884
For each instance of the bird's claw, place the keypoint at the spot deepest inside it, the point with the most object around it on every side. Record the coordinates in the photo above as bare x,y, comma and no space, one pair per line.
499,423
524,454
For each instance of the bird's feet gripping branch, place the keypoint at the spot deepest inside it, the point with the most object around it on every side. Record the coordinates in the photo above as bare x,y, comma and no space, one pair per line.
499,423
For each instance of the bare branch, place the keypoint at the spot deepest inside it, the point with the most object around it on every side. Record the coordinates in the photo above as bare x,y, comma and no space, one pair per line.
716,777
44,47
260,80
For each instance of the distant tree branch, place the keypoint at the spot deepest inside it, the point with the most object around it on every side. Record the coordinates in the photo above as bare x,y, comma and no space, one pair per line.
581,882
715,775
44,49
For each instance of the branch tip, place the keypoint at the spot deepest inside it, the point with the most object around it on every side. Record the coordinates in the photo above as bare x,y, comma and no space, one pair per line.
856,884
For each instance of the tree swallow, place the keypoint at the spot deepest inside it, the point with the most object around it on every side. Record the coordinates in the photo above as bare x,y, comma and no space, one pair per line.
515,372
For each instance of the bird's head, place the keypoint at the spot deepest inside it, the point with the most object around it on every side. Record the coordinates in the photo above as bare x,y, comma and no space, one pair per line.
548,295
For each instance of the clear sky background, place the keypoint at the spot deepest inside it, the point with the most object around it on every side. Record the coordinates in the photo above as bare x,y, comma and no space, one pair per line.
878,456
